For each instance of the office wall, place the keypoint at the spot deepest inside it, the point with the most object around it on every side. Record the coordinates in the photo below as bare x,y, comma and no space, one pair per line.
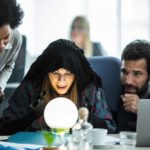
114,23
48,20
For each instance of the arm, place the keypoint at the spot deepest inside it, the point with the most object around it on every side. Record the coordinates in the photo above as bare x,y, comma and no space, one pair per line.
20,112
19,102
16,41
20,124
13,126
100,116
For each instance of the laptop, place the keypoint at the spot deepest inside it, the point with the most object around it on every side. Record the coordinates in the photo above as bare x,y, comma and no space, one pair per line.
143,123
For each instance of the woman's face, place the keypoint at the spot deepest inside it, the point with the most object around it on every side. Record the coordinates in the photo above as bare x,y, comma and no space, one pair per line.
4,37
61,80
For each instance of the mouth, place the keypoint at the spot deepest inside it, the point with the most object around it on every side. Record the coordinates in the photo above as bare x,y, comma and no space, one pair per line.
61,87
130,90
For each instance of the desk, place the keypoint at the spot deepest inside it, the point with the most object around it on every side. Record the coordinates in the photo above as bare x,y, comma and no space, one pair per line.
122,147
107,147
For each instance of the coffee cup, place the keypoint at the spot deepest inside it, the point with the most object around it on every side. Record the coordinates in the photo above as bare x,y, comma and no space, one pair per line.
99,136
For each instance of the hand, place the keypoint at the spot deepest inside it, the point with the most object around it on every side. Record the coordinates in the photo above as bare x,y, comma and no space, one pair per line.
1,96
39,109
130,102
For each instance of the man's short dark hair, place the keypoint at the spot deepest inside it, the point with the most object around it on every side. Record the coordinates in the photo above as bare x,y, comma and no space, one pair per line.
10,13
136,50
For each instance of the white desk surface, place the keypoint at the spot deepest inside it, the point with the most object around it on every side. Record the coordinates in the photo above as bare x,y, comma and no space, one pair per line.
122,147
107,147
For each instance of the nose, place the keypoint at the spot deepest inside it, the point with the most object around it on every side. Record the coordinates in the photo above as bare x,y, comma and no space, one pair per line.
62,78
129,79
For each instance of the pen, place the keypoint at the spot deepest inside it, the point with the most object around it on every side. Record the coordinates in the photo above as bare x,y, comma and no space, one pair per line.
117,143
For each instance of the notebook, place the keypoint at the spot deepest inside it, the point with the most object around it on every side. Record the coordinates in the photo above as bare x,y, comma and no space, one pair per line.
39,138
143,123
36,138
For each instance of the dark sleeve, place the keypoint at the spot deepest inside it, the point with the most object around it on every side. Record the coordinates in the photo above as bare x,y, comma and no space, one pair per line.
100,115
19,124
126,121
19,114
20,102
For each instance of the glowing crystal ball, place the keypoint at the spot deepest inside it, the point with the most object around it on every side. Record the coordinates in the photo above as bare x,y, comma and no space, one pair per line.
60,113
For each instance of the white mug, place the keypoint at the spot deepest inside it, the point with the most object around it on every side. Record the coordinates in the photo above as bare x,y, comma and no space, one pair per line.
99,136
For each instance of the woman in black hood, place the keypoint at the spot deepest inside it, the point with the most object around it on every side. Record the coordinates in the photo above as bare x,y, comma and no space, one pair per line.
61,70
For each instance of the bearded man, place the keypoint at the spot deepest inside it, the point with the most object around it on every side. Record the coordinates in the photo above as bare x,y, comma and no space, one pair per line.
135,71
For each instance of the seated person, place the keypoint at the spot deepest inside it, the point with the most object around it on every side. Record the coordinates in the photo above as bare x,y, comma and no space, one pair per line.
80,34
135,72
62,70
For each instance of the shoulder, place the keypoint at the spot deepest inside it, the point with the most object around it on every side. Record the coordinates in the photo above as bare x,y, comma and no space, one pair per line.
31,85
27,88
26,85
91,86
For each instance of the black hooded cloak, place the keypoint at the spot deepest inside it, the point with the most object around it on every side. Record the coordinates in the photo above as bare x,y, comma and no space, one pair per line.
63,54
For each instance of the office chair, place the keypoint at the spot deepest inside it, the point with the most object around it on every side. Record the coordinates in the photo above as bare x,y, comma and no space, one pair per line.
108,68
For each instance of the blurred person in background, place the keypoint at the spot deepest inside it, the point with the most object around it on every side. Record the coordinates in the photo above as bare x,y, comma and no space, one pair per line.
10,39
80,34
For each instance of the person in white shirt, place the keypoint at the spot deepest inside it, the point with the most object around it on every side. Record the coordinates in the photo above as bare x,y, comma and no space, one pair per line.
11,16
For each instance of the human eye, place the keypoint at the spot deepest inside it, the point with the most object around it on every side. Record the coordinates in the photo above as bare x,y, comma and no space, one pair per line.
6,39
5,42
137,73
123,71
68,73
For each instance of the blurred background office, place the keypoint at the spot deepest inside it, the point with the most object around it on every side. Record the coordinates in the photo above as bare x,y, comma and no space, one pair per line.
112,22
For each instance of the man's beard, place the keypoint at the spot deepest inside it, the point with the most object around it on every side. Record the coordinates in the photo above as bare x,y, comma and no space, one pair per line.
139,91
